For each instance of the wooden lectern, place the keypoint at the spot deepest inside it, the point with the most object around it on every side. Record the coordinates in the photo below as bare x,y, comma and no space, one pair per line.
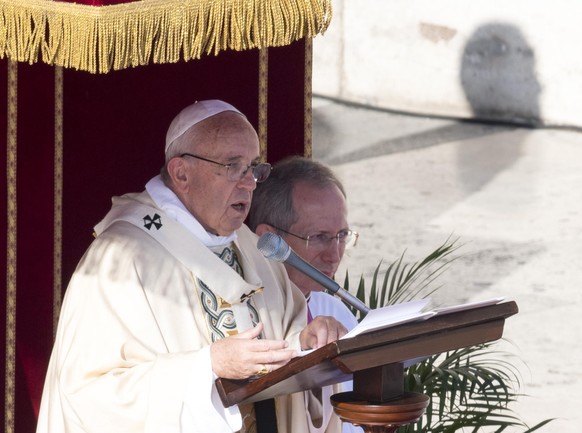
375,360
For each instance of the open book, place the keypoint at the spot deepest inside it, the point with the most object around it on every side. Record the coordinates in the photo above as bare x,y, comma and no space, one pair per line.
392,315
404,312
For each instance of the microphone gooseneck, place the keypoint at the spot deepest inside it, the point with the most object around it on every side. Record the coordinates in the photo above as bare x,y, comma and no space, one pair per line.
273,247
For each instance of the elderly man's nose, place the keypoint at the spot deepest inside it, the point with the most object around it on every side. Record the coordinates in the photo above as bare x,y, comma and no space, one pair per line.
248,181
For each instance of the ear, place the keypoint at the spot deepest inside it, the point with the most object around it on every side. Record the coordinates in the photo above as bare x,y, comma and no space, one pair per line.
264,228
178,173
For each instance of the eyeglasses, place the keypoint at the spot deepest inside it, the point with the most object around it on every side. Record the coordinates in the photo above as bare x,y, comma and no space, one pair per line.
235,171
346,238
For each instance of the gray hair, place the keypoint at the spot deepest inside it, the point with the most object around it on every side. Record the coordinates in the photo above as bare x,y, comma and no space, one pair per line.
273,199
179,146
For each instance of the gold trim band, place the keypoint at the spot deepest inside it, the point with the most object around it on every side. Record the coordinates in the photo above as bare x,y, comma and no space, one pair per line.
10,385
307,101
263,100
58,199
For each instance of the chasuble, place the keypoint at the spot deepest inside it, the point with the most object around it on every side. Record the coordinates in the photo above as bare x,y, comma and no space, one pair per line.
132,347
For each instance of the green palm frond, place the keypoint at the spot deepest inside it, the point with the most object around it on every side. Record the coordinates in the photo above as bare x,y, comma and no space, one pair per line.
472,388
403,281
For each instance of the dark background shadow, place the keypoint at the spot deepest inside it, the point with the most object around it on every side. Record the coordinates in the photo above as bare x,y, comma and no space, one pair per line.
498,76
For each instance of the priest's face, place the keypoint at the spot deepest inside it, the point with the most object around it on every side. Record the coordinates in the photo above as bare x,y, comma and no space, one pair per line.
320,211
217,202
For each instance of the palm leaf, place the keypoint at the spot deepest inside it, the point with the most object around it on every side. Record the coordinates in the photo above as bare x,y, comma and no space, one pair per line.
470,388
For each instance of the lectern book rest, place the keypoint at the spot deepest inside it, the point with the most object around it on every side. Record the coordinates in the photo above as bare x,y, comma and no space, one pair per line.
377,351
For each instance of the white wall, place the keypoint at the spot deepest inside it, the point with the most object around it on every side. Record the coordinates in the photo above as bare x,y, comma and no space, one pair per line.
507,60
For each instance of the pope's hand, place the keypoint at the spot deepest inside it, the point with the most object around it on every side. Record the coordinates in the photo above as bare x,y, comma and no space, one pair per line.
243,355
321,330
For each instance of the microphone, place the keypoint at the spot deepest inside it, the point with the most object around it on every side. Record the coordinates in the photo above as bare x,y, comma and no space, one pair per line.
275,248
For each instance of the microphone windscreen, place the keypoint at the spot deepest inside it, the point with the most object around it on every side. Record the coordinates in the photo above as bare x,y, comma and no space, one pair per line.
273,247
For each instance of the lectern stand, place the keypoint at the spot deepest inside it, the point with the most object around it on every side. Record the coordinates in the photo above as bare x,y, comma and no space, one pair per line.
375,360
383,417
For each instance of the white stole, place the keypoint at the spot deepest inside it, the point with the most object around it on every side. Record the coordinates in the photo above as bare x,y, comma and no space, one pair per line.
191,252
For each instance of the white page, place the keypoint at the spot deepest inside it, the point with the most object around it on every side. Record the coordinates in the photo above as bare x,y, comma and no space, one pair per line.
391,315
468,306
404,312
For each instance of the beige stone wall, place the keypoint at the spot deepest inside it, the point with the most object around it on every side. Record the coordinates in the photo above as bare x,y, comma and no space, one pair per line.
516,61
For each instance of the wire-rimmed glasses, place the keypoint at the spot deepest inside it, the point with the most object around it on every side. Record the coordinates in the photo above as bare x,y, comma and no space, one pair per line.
347,238
235,171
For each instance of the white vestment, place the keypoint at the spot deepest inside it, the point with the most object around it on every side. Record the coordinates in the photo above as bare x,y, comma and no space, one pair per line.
132,346
323,304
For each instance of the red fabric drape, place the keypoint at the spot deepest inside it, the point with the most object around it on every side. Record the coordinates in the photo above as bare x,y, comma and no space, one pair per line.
114,129
286,101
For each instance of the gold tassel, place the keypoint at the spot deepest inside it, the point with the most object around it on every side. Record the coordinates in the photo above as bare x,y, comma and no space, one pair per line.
99,39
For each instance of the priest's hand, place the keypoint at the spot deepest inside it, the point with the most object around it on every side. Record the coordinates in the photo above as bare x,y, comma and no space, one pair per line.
243,355
321,330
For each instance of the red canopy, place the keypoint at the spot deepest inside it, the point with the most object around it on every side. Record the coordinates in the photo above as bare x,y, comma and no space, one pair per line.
87,90
104,35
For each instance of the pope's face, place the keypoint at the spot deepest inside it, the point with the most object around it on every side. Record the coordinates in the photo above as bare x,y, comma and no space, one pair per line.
319,210
219,204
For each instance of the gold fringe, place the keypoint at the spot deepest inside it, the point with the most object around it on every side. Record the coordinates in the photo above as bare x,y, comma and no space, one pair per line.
99,39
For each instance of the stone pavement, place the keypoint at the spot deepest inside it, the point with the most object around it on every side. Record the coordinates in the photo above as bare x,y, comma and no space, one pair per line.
513,197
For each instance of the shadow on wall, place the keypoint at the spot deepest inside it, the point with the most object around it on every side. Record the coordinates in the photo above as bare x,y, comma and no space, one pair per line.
498,76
